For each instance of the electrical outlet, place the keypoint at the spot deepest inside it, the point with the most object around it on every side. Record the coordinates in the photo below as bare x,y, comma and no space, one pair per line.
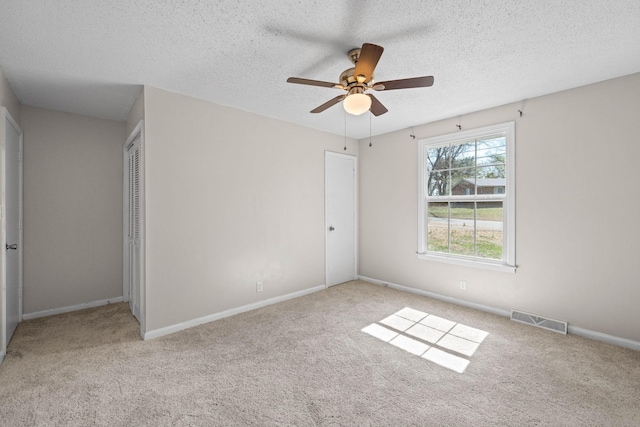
463,285
258,286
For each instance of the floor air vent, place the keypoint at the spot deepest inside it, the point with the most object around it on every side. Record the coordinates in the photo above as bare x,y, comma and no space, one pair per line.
541,322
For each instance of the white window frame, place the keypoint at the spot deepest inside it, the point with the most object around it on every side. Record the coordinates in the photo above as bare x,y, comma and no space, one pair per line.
508,262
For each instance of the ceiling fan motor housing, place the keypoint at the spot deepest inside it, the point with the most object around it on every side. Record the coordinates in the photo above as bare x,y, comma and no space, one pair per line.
356,89
347,78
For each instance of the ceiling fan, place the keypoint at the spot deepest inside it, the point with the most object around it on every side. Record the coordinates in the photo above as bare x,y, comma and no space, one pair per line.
359,79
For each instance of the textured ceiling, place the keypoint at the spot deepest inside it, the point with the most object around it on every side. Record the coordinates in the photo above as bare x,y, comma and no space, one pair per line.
91,56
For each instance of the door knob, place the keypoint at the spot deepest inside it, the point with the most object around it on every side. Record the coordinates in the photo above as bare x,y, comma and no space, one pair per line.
8,246
331,228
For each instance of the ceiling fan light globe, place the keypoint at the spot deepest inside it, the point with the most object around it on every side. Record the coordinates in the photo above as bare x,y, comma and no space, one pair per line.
356,104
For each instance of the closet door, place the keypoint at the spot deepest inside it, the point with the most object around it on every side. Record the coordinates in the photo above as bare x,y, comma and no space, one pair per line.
12,227
133,226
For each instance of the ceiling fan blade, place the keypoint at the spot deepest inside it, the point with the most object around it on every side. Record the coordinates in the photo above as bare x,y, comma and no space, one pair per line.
329,103
377,109
425,81
369,56
312,82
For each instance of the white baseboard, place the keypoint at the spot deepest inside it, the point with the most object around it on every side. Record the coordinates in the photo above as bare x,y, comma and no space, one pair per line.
575,330
2,357
599,336
233,311
71,308
439,297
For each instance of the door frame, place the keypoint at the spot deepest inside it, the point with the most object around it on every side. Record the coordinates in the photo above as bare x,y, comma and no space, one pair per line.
137,131
355,214
7,119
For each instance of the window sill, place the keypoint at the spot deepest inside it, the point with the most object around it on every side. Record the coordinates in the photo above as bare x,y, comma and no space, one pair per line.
468,263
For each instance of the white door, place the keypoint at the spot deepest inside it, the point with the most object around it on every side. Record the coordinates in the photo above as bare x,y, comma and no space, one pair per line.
12,212
133,225
340,217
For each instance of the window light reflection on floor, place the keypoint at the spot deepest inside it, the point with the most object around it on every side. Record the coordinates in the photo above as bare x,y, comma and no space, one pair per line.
431,337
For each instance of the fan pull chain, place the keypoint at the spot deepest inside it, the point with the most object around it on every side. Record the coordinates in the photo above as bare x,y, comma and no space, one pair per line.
370,114
345,130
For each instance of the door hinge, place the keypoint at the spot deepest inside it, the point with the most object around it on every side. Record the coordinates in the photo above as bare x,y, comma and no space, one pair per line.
19,155
20,225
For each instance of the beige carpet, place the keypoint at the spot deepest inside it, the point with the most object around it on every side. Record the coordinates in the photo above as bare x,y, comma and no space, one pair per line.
306,362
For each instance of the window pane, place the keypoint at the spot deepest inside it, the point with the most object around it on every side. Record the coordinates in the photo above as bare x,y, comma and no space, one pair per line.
492,151
463,155
463,182
438,158
491,165
438,227
491,185
438,183
495,171
462,228
489,235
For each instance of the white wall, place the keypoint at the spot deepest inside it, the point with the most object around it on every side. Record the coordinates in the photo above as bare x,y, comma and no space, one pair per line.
72,209
577,210
8,98
232,198
136,113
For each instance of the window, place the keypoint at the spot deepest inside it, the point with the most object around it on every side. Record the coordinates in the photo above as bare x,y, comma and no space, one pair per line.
466,206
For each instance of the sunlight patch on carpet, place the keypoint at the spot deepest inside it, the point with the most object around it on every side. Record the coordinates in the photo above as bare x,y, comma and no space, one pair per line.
380,332
441,341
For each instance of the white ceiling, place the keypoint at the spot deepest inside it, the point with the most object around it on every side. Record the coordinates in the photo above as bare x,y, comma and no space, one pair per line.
91,56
